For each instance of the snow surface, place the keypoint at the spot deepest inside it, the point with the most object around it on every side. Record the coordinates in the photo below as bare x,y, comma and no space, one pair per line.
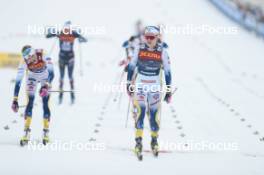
220,80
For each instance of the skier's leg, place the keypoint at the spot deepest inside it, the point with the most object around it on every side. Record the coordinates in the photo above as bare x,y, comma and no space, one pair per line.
46,109
154,106
46,112
70,74
46,119
28,111
140,107
45,102
31,88
62,72
154,101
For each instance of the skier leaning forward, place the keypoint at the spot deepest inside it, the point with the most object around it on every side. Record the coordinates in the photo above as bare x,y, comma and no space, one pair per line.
39,70
149,59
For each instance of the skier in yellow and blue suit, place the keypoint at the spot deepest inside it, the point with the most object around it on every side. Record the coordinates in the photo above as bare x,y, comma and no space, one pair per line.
39,69
149,59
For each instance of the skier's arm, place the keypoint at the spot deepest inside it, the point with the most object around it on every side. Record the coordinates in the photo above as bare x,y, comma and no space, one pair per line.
127,44
50,69
51,35
81,38
20,74
132,65
167,70
166,67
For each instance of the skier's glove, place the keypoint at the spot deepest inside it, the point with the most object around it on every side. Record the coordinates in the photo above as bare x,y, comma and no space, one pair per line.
44,91
168,95
130,89
15,105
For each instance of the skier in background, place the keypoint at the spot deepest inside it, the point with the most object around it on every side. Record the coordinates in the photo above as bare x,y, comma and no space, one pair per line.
67,37
149,59
132,43
39,69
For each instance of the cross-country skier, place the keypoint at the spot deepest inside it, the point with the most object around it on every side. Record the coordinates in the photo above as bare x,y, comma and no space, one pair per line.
148,59
133,42
39,69
67,37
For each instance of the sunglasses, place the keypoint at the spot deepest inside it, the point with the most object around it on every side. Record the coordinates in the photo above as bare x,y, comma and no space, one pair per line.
150,37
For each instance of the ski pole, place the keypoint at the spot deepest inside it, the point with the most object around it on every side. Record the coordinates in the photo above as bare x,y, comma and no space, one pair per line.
119,84
60,91
52,48
128,109
175,89
120,99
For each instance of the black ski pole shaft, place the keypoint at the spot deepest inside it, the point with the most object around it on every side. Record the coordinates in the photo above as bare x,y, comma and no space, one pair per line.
60,91
175,89
128,109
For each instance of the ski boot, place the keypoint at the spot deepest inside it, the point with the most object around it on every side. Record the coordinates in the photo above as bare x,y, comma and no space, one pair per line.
45,138
154,146
138,148
25,139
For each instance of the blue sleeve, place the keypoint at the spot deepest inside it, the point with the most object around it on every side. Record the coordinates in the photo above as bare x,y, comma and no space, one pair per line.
81,38
132,65
17,88
166,67
168,78
51,76
130,72
51,33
